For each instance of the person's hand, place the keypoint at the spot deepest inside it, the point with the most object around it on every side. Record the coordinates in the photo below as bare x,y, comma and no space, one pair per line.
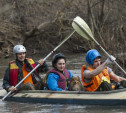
41,61
12,88
110,59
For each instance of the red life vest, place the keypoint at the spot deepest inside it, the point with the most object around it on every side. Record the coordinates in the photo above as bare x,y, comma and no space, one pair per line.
14,71
96,80
63,79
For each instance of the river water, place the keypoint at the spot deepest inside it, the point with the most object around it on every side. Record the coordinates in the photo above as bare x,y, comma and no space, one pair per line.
74,63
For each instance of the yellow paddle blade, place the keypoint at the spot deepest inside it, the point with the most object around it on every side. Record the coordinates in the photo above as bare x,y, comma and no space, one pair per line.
82,28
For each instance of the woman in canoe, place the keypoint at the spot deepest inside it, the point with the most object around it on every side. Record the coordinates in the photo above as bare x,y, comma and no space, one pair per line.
58,78
97,76
19,68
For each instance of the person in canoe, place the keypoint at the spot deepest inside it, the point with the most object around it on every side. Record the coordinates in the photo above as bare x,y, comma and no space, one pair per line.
19,68
58,78
97,77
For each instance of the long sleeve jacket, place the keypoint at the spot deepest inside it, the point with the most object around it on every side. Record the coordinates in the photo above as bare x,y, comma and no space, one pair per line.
6,80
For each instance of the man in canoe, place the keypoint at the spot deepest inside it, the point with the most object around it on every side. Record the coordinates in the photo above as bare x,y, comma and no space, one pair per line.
58,78
19,68
97,76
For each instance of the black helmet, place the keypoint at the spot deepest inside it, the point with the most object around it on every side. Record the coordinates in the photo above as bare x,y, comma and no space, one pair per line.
56,57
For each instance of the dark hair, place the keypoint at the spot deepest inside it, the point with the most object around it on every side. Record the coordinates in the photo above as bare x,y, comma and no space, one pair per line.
57,57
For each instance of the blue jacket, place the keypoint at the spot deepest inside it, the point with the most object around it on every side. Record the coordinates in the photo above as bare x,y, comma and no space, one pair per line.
52,81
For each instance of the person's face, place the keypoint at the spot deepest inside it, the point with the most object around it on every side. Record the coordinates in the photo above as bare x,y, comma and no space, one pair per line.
21,56
96,63
60,65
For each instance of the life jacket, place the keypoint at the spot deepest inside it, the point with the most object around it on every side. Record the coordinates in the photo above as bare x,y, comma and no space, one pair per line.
25,73
96,80
63,79
14,71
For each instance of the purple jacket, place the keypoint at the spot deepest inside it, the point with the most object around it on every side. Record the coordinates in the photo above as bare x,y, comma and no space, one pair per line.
63,78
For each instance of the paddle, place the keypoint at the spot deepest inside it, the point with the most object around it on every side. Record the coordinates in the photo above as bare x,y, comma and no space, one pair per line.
39,64
83,29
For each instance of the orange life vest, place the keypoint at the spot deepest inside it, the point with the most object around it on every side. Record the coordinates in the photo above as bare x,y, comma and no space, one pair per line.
14,69
96,80
25,72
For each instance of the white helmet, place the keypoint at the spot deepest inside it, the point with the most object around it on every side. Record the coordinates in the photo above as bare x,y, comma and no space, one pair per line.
19,49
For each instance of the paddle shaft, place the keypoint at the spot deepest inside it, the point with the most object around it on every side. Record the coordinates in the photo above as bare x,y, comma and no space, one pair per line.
90,36
39,64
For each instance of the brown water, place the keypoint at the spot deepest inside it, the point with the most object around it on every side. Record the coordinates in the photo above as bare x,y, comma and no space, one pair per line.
74,63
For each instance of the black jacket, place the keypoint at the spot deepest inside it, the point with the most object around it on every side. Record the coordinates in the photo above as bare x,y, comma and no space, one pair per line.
6,79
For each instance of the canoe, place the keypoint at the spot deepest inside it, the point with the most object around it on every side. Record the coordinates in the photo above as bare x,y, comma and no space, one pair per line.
115,97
